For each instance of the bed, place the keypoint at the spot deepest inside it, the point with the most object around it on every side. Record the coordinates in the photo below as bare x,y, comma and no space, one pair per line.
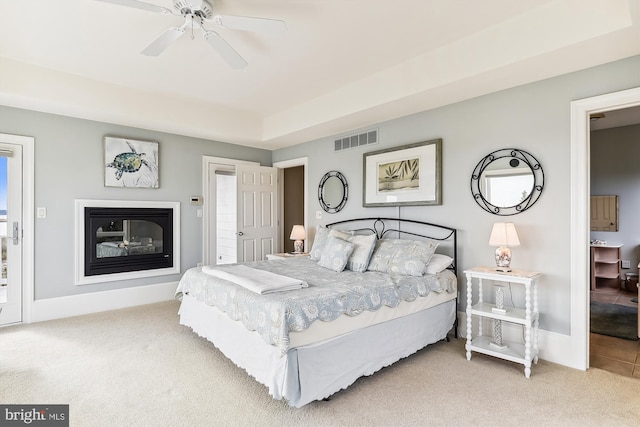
388,301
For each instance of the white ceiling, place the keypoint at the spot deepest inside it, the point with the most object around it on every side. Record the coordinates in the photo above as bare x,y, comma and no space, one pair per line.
342,65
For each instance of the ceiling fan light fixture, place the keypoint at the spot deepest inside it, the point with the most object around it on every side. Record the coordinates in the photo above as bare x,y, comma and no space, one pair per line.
195,13
200,8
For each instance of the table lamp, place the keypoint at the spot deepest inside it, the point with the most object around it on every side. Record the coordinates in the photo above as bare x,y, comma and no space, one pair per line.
503,235
298,235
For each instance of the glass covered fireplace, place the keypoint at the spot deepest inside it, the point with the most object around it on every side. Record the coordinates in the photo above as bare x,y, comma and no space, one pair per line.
118,240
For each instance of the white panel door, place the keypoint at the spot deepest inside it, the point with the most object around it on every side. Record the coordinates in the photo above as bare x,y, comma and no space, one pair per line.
257,212
11,233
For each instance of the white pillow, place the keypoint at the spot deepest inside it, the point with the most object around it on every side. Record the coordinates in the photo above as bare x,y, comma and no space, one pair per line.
363,246
438,263
335,254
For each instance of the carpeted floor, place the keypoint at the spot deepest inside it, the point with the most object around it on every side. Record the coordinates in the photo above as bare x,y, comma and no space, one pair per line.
614,320
139,367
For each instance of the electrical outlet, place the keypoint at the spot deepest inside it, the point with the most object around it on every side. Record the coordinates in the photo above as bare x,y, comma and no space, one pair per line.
626,263
318,214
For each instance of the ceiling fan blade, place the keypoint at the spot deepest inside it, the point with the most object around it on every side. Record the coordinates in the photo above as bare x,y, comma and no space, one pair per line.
161,43
247,23
225,50
140,5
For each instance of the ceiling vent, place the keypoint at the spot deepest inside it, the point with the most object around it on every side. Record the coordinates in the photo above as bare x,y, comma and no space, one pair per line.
356,140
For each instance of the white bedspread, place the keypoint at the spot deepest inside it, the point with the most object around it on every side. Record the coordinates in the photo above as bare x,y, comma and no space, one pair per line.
258,281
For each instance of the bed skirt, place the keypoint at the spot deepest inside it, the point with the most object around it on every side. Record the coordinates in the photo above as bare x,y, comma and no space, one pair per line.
316,371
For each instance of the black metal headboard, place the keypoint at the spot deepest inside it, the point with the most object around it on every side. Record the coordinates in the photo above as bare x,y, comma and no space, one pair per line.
379,227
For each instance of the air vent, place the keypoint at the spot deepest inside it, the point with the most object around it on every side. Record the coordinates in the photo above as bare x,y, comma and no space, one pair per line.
356,140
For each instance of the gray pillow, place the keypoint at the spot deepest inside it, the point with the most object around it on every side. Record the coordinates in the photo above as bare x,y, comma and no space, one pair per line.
408,257
319,240
335,254
363,247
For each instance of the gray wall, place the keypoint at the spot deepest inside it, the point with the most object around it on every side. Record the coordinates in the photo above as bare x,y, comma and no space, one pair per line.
615,170
69,164
533,117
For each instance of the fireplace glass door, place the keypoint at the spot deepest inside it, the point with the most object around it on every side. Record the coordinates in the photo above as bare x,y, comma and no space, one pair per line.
127,239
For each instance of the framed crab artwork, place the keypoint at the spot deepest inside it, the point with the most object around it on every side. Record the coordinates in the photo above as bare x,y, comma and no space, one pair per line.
130,163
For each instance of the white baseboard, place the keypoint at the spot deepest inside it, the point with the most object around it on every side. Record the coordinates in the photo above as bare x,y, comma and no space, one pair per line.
552,347
94,302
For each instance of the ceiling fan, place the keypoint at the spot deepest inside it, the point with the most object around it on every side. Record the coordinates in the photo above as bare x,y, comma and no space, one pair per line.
196,13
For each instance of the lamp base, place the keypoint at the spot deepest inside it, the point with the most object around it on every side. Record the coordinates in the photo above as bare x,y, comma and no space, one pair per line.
298,247
503,259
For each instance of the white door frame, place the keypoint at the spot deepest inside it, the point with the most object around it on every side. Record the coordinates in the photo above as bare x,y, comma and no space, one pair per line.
580,191
28,174
300,161
207,212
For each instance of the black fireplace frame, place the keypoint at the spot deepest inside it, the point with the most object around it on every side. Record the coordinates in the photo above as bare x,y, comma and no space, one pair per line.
96,217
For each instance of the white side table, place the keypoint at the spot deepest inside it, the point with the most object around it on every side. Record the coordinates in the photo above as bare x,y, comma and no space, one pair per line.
284,256
528,317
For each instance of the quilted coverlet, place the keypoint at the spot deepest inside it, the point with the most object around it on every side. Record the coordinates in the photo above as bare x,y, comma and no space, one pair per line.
329,295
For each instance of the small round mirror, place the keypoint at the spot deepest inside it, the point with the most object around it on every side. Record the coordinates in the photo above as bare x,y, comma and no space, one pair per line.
507,182
333,191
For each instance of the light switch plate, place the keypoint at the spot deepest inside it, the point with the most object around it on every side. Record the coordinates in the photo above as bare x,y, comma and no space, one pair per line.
41,212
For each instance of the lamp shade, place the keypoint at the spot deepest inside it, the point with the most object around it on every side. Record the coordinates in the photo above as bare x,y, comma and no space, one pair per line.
298,233
504,234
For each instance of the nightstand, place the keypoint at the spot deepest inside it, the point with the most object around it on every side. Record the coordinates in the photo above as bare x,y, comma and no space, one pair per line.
528,317
284,256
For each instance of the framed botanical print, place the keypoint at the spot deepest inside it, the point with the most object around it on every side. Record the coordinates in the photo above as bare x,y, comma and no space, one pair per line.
409,175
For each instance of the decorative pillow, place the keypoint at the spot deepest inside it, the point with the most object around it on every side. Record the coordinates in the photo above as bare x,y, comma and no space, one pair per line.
335,254
409,257
438,263
322,233
319,241
363,247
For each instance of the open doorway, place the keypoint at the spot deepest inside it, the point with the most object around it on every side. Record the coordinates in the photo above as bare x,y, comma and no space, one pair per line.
226,216
577,345
614,246
293,203
293,176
